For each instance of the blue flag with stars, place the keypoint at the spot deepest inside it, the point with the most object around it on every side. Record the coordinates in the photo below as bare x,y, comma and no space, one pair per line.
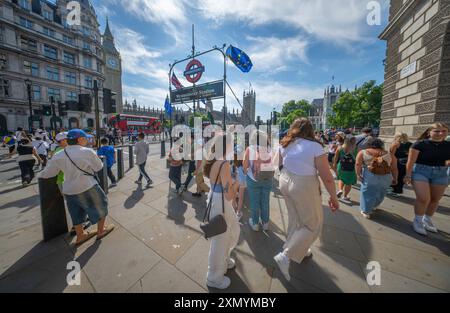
168,106
240,59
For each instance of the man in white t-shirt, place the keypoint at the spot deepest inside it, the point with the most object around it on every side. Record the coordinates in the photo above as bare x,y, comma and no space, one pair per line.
41,148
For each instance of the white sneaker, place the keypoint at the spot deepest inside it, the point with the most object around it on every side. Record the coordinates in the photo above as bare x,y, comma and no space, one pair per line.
365,215
266,226
231,264
283,263
419,227
223,284
346,200
255,227
428,225
339,193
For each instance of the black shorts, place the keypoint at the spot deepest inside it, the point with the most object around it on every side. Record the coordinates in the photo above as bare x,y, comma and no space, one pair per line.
11,149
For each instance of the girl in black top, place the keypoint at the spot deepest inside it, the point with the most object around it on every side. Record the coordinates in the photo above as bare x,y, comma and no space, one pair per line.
400,148
427,169
27,157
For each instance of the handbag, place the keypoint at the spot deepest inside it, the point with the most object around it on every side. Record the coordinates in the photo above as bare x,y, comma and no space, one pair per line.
217,225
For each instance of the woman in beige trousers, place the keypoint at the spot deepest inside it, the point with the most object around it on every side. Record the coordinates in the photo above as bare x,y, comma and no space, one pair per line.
304,161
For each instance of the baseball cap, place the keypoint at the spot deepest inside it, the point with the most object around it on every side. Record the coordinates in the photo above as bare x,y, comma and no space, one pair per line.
76,133
61,136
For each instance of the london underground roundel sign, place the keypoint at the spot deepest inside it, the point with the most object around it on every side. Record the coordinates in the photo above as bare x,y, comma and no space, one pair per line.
194,71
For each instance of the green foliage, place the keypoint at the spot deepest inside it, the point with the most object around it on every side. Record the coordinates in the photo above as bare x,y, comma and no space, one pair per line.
359,108
291,111
202,116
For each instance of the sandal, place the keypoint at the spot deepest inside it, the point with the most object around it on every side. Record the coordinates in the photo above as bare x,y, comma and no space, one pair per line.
106,231
87,236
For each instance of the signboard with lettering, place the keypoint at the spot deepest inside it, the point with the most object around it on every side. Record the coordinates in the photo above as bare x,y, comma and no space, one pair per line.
211,91
408,70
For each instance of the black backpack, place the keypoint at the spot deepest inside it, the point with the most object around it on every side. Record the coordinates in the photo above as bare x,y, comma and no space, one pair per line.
347,161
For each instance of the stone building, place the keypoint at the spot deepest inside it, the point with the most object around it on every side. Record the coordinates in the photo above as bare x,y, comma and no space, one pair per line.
316,113
60,60
417,73
331,95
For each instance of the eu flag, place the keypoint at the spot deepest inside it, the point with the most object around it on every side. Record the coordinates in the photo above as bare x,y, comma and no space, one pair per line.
168,106
240,59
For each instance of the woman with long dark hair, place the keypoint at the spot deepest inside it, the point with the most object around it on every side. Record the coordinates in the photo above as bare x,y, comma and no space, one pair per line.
223,192
427,170
304,161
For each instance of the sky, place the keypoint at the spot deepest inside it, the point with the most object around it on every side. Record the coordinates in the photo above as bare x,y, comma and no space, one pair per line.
296,46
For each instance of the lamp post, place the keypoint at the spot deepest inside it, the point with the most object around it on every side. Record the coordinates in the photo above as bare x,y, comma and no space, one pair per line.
28,83
97,114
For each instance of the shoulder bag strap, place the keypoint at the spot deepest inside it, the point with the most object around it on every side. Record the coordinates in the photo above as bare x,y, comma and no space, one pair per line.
208,208
85,172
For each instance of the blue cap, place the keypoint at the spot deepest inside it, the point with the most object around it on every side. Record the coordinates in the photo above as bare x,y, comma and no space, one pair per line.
76,133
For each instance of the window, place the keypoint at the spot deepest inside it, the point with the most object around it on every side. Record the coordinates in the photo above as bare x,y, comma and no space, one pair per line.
52,73
3,61
72,96
28,44
55,93
86,31
87,62
88,81
71,78
50,52
69,58
24,4
68,40
48,15
86,46
49,32
4,87
99,67
31,68
36,92
1,33
26,23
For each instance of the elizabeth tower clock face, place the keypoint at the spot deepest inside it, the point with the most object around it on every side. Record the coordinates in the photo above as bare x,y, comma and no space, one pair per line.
113,63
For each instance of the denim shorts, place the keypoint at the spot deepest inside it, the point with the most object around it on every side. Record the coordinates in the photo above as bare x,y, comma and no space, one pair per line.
92,202
434,175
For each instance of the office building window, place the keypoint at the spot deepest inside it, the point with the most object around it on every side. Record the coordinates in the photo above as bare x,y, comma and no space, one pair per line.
1,32
72,96
36,92
3,61
49,32
69,58
88,81
87,62
68,40
52,73
71,78
50,52
28,44
86,31
31,68
4,87
26,23
25,4
48,15
55,93
86,46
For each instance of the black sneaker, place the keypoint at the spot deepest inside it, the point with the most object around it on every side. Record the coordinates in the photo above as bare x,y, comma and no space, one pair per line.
196,195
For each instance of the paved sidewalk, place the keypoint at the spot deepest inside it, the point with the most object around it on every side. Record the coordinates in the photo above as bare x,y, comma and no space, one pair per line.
158,247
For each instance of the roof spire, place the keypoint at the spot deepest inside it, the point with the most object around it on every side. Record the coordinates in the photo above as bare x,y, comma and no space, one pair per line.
107,30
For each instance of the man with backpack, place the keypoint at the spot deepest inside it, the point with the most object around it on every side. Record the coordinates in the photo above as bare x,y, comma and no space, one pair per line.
81,189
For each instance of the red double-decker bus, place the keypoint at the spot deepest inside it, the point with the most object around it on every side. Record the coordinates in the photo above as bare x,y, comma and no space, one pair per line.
143,124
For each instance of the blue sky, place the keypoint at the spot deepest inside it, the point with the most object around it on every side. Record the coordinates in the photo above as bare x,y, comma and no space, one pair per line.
296,46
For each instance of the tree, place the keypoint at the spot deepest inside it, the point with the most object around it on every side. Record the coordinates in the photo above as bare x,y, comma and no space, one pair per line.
292,110
360,108
202,116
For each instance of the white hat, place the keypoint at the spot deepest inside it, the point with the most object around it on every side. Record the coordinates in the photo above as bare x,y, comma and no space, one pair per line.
61,136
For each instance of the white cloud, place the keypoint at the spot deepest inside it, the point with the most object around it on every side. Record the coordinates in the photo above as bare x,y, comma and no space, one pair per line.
147,97
169,14
335,20
138,58
273,54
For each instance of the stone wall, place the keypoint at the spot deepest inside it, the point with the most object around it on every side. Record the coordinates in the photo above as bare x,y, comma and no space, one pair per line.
417,73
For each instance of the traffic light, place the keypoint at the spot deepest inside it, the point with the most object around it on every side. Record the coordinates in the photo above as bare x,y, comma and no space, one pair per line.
47,110
62,108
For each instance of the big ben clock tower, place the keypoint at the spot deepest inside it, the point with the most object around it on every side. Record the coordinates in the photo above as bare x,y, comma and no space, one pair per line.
113,72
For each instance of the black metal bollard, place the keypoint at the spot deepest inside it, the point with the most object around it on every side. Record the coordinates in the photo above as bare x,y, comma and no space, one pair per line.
131,156
163,148
103,176
119,164
53,212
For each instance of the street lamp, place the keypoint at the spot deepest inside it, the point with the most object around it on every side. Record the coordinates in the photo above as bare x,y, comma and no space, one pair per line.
28,83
